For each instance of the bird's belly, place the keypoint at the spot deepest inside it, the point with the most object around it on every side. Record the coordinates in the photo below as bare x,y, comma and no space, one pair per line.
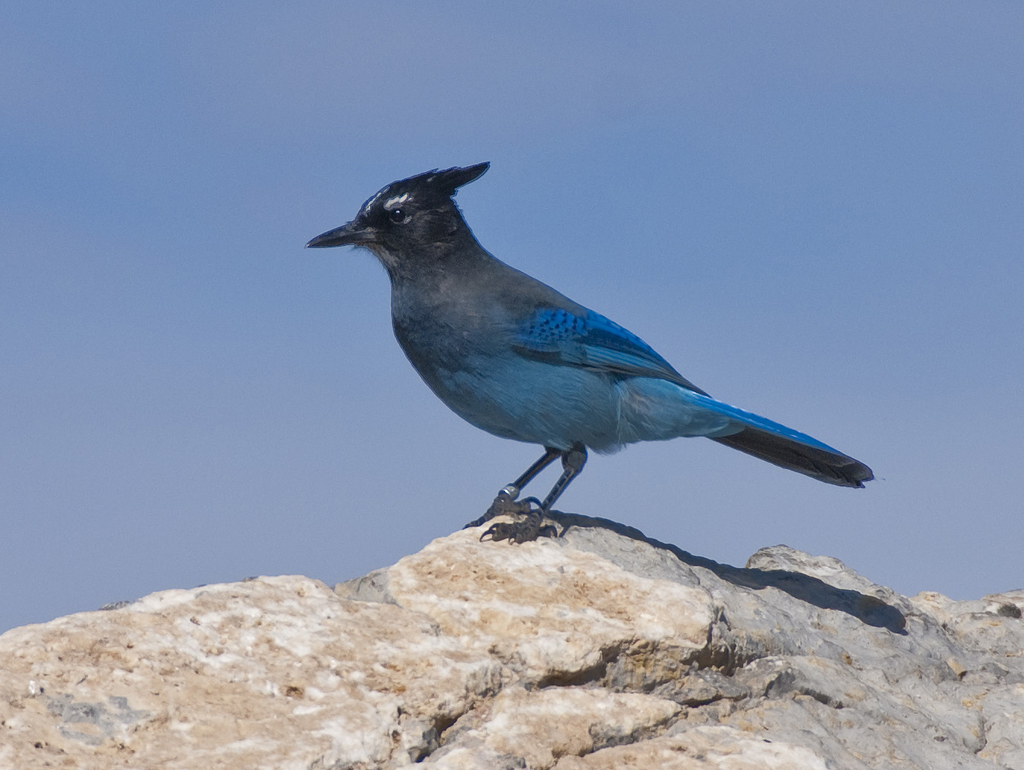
556,406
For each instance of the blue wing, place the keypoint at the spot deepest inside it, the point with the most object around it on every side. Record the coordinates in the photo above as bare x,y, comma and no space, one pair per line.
591,341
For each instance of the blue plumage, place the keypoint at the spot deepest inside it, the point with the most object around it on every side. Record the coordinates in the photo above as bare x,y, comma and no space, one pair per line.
591,341
520,360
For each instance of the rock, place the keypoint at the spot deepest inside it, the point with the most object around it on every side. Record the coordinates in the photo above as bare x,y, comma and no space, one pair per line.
600,649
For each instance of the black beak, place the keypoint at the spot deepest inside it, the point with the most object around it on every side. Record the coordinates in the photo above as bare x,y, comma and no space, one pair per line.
351,234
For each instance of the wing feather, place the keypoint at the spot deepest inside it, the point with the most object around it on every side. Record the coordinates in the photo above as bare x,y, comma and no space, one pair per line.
594,342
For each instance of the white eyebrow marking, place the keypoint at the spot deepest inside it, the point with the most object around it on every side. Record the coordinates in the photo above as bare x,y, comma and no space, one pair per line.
397,200
369,204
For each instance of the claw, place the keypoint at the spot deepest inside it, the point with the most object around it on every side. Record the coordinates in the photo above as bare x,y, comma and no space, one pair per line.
529,520
525,530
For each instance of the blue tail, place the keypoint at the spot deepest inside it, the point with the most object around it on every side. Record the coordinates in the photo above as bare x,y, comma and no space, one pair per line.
786,447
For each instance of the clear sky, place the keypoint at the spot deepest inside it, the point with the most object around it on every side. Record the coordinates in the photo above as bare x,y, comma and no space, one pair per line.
815,211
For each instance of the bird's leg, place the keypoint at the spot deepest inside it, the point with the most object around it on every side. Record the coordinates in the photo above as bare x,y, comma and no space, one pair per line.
506,502
510,492
532,526
572,463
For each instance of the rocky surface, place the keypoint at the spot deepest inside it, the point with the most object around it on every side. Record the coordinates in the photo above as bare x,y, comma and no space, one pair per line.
601,649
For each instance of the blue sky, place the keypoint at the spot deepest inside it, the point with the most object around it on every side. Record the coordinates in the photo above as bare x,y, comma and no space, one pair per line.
814,211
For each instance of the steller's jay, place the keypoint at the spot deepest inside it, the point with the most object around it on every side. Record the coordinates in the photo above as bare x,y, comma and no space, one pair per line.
514,357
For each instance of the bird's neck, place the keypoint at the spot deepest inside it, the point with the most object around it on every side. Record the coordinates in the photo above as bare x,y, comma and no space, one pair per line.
456,259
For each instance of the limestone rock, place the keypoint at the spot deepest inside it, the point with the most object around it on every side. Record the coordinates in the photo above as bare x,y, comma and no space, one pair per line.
600,649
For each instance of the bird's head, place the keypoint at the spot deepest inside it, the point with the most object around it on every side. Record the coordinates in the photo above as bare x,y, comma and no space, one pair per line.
407,217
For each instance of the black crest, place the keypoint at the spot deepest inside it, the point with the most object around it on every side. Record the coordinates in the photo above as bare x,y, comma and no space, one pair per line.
451,179
425,190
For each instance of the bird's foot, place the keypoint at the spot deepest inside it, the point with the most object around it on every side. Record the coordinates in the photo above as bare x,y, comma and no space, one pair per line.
529,521
525,529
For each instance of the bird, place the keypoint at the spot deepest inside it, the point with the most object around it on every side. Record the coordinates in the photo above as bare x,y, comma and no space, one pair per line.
518,359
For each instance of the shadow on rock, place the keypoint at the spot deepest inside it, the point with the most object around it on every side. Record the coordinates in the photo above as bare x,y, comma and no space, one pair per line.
868,609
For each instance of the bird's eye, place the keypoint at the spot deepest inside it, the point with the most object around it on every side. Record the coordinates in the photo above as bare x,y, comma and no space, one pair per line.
397,216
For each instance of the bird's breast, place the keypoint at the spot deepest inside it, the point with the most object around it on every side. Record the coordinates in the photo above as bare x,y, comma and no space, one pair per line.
438,334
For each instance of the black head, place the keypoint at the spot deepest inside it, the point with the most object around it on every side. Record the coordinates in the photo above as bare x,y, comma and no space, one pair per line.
406,216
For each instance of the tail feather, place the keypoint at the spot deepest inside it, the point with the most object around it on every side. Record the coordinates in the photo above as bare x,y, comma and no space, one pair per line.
785,447
829,466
